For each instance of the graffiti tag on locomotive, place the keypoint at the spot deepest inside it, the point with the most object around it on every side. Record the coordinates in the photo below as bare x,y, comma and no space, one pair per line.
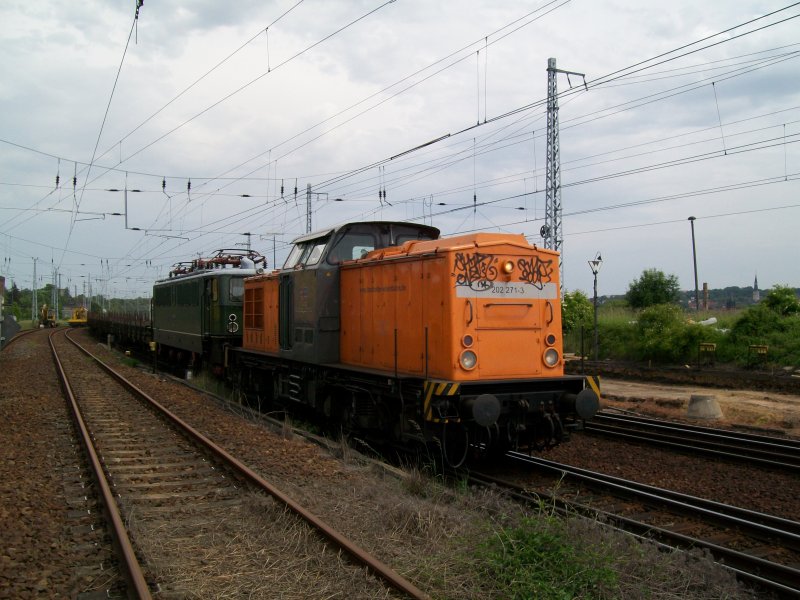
476,275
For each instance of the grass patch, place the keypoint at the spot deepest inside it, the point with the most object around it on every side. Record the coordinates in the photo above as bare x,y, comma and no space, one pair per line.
536,559
130,362
550,557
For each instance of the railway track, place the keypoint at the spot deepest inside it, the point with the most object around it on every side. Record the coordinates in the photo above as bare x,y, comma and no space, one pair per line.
761,549
168,489
18,337
772,452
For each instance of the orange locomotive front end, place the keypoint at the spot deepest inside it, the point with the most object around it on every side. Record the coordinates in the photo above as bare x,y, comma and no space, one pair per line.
468,308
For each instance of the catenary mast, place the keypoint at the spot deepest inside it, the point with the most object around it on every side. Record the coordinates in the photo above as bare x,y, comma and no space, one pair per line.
551,230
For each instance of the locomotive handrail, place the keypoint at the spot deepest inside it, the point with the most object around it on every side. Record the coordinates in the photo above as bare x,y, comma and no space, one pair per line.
528,304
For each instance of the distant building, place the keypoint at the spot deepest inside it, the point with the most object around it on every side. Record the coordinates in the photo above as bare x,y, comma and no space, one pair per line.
756,293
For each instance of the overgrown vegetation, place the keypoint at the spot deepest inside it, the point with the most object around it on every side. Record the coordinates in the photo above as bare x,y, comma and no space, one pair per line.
665,333
537,560
556,558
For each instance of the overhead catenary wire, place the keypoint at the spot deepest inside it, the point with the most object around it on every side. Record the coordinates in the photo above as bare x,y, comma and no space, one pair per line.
456,209
259,77
235,178
202,77
105,115
534,148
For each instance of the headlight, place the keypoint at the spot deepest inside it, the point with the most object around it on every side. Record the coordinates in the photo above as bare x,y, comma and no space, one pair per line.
468,360
550,339
467,341
508,267
550,357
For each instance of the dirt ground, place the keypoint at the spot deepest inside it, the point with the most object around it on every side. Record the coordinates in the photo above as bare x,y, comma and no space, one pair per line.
769,411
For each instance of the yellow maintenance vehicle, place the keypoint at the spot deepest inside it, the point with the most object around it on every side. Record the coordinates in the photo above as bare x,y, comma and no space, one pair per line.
79,317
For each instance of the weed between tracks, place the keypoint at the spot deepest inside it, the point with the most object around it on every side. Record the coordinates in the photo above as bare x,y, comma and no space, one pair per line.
253,550
555,558
473,544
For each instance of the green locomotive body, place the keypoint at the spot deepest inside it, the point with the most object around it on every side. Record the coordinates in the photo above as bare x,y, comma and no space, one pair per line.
197,311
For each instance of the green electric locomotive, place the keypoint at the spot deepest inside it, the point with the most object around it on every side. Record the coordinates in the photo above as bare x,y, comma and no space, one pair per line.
197,310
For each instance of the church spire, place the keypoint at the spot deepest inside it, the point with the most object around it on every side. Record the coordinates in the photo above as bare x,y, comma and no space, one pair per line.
756,293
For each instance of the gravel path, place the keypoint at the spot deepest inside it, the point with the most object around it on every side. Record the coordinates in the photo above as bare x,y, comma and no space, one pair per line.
53,540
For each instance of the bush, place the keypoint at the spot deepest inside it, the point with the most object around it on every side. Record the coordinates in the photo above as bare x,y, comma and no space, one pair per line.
783,300
664,334
661,332
762,325
577,311
618,339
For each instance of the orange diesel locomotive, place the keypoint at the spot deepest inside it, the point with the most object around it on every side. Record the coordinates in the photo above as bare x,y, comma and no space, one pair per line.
387,329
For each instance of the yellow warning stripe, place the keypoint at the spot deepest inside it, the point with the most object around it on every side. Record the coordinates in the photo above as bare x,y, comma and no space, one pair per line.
437,388
594,383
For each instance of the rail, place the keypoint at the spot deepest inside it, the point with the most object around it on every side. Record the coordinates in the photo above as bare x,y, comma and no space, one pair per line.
18,336
131,567
776,577
768,451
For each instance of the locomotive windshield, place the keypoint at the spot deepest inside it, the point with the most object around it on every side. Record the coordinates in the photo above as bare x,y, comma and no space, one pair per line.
306,253
351,246
353,241
236,289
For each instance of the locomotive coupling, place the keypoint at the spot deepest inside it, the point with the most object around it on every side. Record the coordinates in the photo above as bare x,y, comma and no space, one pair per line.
585,403
484,409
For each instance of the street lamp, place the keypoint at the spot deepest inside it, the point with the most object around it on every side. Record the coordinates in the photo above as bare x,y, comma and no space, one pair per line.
694,257
595,265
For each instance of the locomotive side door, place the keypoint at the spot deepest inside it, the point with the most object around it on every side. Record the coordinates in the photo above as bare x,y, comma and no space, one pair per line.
286,312
205,308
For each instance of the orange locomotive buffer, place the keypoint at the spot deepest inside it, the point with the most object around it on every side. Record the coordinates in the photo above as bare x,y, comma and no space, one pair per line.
387,329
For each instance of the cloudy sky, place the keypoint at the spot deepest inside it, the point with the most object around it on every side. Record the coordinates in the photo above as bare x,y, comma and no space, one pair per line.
211,114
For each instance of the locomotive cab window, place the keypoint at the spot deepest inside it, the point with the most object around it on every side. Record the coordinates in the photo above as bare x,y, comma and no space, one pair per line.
403,238
294,256
214,290
236,289
314,253
351,246
306,254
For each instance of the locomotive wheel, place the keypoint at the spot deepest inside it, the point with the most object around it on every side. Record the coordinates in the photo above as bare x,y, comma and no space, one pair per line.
485,439
489,442
455,444
558,427
543,434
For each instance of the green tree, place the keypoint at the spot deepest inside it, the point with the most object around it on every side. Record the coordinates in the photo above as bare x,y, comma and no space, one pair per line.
653,287
576,310
783,300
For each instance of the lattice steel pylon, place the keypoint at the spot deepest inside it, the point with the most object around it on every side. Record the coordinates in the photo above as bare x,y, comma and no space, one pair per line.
551,230
308,208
